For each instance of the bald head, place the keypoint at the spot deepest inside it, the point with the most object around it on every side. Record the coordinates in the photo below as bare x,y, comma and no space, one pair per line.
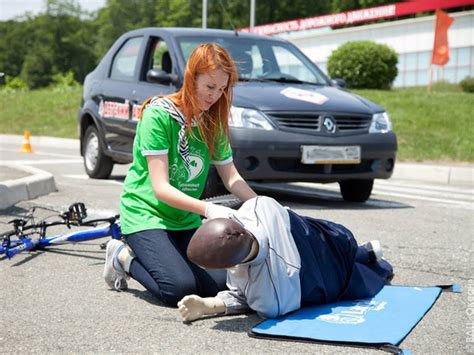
220,243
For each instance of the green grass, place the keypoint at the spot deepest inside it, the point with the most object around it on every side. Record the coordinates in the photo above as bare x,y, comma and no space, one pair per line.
43,112
436,126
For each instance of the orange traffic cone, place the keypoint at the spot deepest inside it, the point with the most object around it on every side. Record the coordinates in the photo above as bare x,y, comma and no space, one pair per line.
26,146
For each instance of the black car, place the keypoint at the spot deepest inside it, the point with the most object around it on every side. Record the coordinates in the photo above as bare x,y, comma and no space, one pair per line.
289,121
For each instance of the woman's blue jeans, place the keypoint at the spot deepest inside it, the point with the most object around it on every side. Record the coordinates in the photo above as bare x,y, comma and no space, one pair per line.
162,267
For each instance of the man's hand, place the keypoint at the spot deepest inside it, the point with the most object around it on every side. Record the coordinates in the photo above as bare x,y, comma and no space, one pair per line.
193,307
217,211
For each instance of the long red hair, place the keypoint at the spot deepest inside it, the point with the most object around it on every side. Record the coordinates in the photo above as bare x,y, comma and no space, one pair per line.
204,59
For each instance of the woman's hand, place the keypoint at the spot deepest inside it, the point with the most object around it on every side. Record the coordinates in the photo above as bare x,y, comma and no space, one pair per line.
217,211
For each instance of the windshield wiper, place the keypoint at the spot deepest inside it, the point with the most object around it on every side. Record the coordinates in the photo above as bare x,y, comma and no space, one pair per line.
251,79
281,79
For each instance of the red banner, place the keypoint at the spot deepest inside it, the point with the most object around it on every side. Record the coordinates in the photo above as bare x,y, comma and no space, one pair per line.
357,16
440,54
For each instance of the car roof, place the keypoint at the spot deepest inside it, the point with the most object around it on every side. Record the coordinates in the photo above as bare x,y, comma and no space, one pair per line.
191,31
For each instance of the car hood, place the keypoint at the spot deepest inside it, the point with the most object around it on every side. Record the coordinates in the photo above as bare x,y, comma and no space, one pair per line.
274,96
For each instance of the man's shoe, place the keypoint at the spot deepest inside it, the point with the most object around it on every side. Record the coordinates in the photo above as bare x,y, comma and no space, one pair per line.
113,274
375,250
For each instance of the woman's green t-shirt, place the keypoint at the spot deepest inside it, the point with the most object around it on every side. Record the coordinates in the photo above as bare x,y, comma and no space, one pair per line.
158,134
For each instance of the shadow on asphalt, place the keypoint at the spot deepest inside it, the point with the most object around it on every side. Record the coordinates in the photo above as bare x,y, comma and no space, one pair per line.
241,324
78,253
31,256
146,296
309,197
14,211
318,200
119,178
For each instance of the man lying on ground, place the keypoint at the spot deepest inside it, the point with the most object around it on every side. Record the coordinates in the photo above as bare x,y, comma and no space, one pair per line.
278,261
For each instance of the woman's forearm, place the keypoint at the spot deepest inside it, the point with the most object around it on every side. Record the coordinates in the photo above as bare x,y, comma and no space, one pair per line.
172,196
234,183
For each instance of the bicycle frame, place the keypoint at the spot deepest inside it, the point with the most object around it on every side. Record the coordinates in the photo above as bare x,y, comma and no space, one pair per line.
66,238
75,217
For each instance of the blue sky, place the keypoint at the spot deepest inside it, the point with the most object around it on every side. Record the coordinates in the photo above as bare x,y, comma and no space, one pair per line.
11,8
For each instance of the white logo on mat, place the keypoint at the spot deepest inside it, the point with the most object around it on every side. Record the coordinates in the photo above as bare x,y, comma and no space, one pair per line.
353,315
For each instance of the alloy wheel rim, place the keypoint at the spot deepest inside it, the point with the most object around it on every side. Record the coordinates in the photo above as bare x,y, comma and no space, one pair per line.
92,152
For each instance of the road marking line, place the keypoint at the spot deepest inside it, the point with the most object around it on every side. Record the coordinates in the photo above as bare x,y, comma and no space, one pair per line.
44,162
423,198
36,152
397,193
86,177
453,195
466,196
424,186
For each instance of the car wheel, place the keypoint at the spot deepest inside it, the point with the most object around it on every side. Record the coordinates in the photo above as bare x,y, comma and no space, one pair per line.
214,185
356,190
96,163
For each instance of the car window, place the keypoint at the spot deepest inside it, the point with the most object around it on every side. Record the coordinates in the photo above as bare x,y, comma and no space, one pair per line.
160,56
125,61
289,65
261,59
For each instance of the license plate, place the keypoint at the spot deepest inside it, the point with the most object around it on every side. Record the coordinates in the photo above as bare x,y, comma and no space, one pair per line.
320,154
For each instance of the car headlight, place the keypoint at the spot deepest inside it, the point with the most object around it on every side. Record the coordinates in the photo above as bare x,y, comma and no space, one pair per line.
248,118
380,123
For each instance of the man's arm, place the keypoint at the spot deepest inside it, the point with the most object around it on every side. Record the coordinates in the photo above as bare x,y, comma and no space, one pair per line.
193,307
226,302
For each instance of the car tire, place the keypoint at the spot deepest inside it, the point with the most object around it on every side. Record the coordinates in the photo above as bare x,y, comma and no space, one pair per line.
356,190
214,185
96,163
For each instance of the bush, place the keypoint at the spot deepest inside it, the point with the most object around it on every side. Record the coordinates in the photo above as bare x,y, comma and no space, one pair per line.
13,84
467,84
364,65
64,82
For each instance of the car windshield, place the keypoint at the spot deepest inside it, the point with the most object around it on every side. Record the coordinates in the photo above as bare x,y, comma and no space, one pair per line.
262,59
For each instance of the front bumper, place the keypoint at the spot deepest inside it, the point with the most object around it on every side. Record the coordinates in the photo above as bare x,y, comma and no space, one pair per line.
261,155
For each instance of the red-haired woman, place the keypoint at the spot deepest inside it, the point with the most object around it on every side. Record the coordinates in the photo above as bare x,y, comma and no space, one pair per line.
178,137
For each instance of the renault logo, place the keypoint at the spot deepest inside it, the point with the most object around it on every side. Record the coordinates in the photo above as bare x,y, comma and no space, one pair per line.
329,124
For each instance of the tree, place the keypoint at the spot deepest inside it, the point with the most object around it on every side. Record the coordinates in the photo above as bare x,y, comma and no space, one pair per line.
37,68
66,38
59,41
14,44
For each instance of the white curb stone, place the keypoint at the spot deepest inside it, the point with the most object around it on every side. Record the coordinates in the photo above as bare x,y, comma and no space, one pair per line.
37,184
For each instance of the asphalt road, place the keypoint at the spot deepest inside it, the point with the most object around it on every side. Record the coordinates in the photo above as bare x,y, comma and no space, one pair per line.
55,301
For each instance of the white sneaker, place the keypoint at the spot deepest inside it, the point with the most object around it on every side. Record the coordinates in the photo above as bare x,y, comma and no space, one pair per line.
114,275
375,250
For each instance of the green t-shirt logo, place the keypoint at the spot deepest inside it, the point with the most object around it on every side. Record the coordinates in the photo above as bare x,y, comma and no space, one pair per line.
196,167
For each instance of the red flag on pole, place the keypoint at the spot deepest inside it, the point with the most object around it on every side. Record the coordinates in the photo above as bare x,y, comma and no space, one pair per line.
440,54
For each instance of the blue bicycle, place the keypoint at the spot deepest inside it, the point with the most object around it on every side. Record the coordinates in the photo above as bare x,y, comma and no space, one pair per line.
22,237
30,235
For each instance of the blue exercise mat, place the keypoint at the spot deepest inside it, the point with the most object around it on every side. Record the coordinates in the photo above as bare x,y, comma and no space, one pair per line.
383,320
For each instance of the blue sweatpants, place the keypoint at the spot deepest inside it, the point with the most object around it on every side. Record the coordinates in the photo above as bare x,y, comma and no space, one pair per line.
333,266
162,267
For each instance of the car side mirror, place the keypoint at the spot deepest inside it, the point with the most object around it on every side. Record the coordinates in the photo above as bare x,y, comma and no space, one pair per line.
339,82
160,77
